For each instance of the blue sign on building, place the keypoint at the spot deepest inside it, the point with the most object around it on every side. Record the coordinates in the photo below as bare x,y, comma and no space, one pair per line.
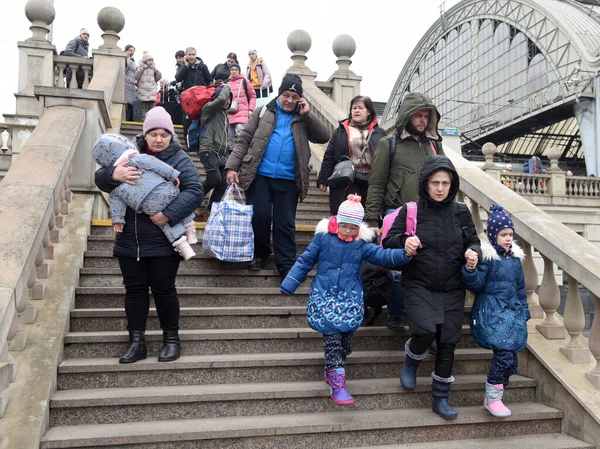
450,131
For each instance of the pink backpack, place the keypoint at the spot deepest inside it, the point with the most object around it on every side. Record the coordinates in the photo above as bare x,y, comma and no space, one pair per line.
411,220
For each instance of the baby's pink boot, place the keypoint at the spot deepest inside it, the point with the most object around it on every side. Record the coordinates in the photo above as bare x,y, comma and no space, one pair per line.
184,248
190,233
493,400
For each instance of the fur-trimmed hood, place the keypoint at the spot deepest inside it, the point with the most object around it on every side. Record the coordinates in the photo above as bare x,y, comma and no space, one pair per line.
364,233
489,252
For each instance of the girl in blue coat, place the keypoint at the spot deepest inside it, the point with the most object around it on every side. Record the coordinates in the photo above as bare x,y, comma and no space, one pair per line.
335,303
499,315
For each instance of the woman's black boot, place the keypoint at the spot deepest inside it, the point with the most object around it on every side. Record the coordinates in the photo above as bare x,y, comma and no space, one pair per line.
136,349
172,346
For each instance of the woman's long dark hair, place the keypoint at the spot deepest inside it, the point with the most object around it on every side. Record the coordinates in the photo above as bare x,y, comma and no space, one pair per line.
233,56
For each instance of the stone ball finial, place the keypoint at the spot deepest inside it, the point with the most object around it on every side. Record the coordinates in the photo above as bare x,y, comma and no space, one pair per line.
489,149
344,46
111,19
299,41
554,153
40,11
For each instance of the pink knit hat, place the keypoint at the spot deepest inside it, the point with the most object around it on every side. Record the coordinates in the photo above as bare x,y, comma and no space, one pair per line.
158,118
351,211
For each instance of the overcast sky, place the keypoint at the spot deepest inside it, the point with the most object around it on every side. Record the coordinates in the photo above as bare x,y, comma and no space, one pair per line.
384,40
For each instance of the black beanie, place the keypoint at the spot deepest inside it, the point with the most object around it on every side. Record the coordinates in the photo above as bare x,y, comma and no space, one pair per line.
293,83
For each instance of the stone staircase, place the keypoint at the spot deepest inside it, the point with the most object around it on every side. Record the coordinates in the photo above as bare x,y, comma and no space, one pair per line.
251,373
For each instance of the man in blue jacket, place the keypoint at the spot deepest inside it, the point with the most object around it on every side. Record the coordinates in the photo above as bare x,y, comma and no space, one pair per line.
270,161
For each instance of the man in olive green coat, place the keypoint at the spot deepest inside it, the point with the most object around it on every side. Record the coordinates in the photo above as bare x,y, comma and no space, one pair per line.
395,182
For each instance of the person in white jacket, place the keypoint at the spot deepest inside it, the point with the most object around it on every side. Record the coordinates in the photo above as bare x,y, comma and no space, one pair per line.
147,76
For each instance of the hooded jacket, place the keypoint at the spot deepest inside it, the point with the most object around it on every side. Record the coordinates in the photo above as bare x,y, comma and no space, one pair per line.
339,147
500,312
140,237
214,137
252,143
335,303
431,282
391,186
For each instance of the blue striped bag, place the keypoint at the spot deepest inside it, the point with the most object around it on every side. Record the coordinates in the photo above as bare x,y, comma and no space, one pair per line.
228,235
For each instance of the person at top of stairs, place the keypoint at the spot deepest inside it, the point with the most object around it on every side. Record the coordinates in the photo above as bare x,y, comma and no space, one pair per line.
500,312
335,305
154,190
435,299
146,257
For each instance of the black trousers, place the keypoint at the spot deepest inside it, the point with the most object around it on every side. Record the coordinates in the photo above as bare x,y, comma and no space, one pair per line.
186,125
337,195
275,201
444,359
216,176
157,274
129,114
504,364
337,347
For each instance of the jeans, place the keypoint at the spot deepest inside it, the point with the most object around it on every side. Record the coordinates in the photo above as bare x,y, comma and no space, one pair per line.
274,200
233,133
395,305
157,274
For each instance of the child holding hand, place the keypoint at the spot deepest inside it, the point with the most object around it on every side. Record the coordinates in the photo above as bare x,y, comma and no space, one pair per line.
499,315
335,305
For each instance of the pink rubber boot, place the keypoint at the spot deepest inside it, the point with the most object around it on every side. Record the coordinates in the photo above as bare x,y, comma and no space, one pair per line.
184,248
190,233
493,400
336,378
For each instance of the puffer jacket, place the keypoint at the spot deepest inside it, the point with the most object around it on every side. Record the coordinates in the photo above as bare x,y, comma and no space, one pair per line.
196,74
431,282
252,143
214,137
335,303
77,47
140,237
392,186
220,73
147,77
130,81
246,99
339,147
500,313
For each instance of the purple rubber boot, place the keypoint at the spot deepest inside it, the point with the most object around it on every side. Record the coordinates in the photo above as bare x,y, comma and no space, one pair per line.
337,381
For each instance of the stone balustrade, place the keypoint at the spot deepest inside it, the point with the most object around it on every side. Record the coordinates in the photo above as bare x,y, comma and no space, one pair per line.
75,65
583,187
54,159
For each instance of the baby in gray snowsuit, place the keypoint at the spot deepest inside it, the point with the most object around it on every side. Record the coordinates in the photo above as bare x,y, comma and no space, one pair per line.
155,190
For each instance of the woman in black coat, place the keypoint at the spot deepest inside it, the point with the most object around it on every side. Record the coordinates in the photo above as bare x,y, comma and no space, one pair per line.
146,258
434,297
356,138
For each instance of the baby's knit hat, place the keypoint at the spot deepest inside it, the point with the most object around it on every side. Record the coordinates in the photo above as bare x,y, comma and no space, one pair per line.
351,211
497,221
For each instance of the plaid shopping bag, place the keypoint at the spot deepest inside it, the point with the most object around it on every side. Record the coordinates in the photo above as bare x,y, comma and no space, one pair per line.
228,235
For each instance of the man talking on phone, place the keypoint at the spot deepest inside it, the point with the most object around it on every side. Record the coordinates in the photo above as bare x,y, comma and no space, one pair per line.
270,161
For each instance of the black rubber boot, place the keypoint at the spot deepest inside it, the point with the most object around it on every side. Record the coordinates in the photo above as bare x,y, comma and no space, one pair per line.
136,349
394,323
408,375
172,346
440,391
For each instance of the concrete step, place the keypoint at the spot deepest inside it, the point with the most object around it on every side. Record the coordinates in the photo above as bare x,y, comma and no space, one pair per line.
105,344
113,297
98,320
118,405
544,441
111,277
315,430
245,368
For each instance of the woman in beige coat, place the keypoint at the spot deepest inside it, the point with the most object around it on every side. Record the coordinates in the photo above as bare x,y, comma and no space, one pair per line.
147,75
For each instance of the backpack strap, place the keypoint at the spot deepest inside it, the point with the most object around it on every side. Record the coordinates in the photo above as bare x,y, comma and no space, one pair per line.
393,143
433,147
411,219
263,109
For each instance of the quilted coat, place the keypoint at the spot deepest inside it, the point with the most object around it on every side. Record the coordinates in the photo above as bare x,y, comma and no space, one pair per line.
246,99
335,303
500,313
147,77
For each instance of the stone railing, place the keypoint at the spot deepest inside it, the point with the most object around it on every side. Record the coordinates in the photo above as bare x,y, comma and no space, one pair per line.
551,188
556,243
55,159
74,65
